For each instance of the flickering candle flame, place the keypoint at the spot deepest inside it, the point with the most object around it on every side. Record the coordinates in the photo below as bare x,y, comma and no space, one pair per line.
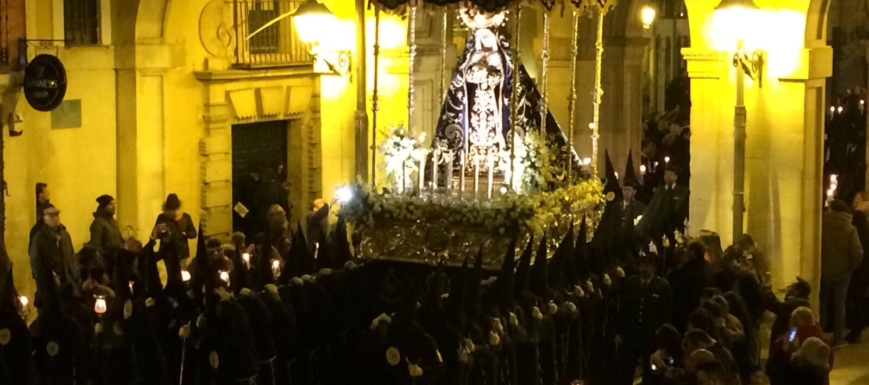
316,250
832,109
642,169
130,284
666,159
586,161
246,258
840,109
503,189
224,276
185,275
617,175
100,305
834,178
24,301
830,193
276,268
591,126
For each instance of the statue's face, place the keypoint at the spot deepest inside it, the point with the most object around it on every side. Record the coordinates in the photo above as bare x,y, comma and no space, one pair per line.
486,38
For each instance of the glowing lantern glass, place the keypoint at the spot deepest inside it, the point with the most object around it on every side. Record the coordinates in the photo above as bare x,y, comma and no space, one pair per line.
648,16
735,22
312,18
100,304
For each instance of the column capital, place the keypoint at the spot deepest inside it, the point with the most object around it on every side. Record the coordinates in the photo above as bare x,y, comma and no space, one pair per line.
815,63
703,63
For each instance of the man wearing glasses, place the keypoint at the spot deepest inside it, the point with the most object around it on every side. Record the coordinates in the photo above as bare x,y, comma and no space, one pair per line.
51,250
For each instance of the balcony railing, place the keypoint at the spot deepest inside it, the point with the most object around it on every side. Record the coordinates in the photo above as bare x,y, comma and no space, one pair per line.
277,45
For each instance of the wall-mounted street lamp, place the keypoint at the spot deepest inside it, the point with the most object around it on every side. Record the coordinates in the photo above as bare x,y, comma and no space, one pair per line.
734,21
648,16
311,19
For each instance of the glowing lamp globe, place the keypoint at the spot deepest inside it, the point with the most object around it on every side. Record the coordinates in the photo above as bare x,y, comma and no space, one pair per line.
311,19
735,24
100,304
648,16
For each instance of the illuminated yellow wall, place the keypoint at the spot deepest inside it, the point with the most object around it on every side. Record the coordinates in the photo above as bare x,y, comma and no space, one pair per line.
784,136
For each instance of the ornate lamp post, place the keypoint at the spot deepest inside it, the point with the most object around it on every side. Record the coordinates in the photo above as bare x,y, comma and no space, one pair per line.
732,19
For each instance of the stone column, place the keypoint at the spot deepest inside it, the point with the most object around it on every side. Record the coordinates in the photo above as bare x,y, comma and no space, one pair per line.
783,158
622,106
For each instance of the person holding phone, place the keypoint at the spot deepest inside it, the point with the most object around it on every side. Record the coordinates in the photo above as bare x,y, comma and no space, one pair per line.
803,327
176,227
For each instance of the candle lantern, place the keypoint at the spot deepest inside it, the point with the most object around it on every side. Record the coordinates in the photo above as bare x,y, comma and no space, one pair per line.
100,304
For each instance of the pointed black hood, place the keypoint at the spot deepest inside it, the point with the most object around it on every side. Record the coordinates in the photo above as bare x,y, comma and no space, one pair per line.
506,278
342,243
630,177
472,302
8,293
559,261
538,282
607,237
306,261
583,269
456,302
523,271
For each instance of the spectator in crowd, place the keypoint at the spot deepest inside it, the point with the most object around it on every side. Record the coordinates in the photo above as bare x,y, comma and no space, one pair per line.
841,253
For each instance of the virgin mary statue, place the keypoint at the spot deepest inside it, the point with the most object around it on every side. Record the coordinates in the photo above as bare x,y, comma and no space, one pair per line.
475,118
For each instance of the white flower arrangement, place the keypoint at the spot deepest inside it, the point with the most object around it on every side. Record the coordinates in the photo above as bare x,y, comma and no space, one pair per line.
402,154
506,214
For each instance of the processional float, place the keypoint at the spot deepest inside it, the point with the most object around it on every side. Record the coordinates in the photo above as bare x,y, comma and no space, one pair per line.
499,166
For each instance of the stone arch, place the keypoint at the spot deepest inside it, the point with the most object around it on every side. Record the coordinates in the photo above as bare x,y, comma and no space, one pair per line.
816,23
151,19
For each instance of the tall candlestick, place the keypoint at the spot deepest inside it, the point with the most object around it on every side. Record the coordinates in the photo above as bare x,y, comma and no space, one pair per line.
421,174
476,175
435,162
462,174
403,176
491,176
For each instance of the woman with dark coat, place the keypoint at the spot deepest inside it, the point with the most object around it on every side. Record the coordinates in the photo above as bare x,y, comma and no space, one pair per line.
176,227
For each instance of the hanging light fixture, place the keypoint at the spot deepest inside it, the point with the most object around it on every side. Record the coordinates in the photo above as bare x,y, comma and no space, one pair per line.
648,16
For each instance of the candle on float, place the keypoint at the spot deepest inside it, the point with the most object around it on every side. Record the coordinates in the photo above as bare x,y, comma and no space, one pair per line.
421,174
100,304
476,175
462,174
491,161
435,162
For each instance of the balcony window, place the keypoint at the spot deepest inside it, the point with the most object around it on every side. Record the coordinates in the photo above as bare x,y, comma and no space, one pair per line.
276,45
81,22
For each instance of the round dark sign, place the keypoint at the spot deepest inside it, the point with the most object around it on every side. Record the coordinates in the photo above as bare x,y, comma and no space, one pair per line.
44,83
